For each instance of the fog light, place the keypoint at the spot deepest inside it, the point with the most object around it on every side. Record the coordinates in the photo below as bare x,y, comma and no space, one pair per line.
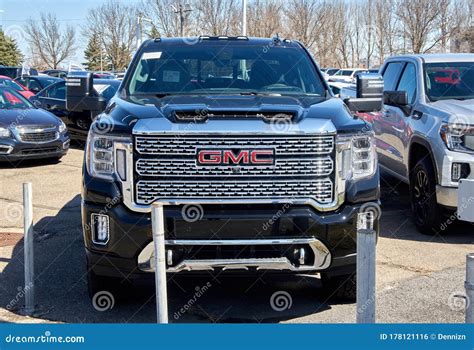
459,171
100,229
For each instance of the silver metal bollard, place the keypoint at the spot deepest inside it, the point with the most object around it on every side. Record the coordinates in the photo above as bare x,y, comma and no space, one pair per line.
158,227
28,248
366,241
469,285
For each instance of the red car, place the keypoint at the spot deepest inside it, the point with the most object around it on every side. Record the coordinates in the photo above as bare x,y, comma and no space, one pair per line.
8,82
448,76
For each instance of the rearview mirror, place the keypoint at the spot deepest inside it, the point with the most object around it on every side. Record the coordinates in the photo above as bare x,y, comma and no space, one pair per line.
369,91
395,98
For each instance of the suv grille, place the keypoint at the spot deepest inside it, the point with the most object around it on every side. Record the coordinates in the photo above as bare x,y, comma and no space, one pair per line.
166,168
38,136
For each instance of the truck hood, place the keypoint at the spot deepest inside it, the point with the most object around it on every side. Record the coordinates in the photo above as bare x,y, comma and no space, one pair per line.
131,110
456,108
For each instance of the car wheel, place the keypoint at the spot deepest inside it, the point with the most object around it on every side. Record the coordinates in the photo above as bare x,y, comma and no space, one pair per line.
341,288
426,211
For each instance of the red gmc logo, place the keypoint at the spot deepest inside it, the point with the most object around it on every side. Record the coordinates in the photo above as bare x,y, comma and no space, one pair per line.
239,157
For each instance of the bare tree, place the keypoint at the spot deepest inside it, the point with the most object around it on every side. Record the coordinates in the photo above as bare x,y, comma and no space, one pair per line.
115,24
166,21
265,18
306,20
218,17
48,43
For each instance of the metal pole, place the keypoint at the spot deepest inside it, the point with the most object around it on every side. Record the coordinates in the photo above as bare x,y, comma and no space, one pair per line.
366,240
469,285
158,228
244,17
28,248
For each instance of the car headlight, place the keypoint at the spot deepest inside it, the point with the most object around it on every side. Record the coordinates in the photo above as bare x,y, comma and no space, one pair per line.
62,127
359,158
457,137
5,132
103,159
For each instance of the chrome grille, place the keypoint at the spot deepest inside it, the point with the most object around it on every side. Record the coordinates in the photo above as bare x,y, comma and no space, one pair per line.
321,190
38,136
165,167
186,145
321,166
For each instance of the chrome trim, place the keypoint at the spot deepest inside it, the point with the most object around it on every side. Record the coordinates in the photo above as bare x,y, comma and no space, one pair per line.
339,187
4,149
322,256
19,131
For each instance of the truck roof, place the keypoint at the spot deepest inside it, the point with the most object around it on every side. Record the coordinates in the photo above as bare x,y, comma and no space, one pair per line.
440,57
220,40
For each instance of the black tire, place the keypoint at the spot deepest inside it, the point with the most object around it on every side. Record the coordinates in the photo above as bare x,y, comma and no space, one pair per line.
119,288
341,288
427,213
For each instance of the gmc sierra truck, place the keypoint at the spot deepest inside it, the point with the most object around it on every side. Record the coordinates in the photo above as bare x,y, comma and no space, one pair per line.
425,135
261,167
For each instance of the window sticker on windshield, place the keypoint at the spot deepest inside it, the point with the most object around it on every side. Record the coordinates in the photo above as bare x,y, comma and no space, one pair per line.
151,55
171,76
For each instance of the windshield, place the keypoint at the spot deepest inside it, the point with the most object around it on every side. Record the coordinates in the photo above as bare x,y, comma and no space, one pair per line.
229,69
445,81
11,84
344,72
10,99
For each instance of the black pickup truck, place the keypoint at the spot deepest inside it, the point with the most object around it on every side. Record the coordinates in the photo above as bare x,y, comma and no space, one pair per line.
261,167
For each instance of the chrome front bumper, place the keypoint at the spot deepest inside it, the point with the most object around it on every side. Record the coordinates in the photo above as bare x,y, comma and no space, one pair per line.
322,256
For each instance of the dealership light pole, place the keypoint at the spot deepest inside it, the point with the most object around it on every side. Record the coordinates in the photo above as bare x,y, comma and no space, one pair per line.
182,11
138,32
244,17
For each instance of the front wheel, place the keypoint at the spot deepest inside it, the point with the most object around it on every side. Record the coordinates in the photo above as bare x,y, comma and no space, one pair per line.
426,211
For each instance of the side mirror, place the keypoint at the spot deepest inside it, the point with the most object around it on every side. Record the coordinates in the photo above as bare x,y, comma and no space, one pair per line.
369,92
395,98
80,94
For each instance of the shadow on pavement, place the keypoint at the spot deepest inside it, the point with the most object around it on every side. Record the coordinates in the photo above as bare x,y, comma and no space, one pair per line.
61,290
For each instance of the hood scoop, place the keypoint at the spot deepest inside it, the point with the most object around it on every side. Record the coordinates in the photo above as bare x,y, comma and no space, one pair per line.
201,116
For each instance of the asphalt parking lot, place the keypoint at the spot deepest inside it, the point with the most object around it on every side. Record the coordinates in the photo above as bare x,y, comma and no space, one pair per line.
417,275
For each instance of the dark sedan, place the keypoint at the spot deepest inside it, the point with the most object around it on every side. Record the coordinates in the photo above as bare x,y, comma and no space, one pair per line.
36,83
53,99
28,132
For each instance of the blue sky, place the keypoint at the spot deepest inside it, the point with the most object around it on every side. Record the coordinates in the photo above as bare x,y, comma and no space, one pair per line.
17,12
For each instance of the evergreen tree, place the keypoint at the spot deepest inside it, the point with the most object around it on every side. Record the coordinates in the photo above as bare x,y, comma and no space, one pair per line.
10,54
92,54
154,33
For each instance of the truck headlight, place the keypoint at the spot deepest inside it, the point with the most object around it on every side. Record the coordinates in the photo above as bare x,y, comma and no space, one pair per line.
458,138
103,159
5,132
359,157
